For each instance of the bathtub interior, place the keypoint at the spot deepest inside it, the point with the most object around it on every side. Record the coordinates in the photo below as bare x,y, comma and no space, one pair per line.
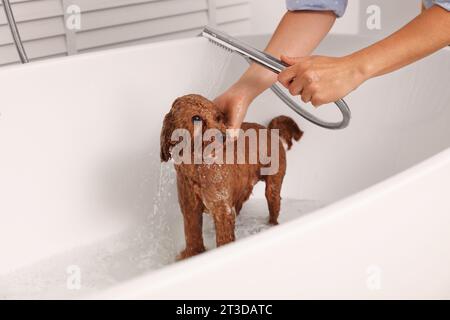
82,185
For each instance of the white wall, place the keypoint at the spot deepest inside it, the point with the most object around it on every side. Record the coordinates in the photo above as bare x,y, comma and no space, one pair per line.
111,23
394,14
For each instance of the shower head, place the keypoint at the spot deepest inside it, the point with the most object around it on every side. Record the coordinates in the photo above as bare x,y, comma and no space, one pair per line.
254,55
234,45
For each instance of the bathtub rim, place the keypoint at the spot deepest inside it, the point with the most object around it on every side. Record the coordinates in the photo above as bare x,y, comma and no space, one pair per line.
140,46
102,52
182,269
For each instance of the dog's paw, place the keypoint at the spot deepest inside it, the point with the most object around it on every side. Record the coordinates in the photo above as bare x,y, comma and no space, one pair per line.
273,222
187,253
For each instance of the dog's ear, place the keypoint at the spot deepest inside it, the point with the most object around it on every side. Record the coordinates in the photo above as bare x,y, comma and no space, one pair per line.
166,134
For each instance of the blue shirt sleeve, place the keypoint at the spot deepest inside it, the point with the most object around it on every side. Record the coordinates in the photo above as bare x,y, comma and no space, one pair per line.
337,6
442,3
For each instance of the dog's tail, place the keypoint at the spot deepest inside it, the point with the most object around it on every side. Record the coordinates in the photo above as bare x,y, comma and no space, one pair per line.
289,130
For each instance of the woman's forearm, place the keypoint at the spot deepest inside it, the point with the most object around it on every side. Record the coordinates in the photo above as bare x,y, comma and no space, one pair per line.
427,33
298,34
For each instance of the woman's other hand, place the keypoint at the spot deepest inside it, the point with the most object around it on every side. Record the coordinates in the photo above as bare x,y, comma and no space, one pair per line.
319,79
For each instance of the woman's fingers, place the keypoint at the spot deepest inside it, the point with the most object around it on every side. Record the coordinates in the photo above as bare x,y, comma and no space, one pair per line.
306,95
287,76
303,88
296,86
292,60
234,105
298,80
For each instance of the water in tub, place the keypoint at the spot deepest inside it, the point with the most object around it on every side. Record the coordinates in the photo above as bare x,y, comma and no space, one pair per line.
152,243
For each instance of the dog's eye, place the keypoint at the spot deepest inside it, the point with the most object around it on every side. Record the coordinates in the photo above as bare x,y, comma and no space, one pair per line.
196,119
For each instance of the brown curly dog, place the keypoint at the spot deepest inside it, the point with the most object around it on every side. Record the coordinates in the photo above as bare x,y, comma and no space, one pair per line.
222,188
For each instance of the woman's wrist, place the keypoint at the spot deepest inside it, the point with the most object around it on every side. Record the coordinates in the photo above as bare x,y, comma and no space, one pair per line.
363,66
255,81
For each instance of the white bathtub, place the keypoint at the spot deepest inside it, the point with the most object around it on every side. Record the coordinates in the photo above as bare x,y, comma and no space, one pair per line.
86,211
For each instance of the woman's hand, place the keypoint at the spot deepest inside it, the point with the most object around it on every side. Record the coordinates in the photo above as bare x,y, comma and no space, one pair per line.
235,101
234,104
319,79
